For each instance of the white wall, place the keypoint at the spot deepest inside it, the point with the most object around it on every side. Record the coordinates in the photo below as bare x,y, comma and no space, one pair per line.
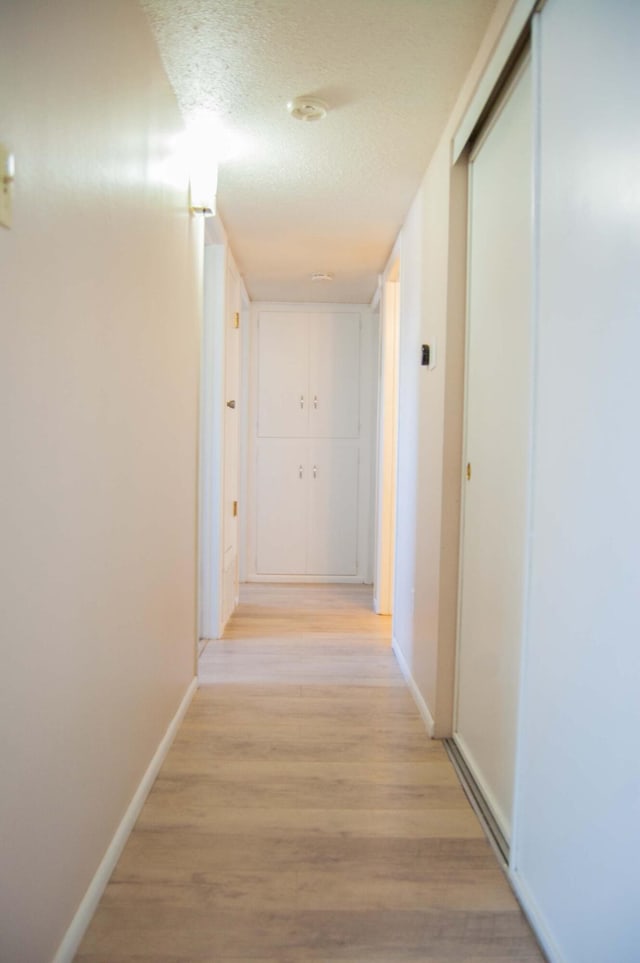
576,843
432,304
99,314
578,803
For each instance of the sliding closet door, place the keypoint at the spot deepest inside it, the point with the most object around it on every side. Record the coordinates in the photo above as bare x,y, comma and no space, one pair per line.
497,448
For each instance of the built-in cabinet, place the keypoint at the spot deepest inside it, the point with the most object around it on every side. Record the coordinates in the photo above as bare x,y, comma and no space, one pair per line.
308,375
308,507
308,443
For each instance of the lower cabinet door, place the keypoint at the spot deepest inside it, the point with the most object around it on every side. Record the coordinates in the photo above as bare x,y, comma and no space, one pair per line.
333,508
282,494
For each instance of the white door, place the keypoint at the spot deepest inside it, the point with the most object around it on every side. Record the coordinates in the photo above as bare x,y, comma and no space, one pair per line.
334,376
283,375
497,448
333,508
283,487
231,463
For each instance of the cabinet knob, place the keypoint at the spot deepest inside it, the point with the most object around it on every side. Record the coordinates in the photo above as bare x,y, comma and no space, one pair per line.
231,404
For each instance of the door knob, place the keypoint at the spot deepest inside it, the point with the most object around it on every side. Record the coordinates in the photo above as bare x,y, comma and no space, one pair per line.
231,404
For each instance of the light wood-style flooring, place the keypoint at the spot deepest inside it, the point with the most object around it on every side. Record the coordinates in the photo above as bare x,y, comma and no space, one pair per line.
303,814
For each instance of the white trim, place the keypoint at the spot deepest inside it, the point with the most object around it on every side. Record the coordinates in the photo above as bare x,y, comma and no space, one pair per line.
536,919
245,431
489,797
211,442
375,300
229,486
214,230
536,80
312,307
86,909
421,705
511,33
465,395
317,579
386,468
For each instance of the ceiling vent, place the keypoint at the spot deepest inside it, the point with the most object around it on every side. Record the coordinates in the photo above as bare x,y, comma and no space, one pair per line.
307,108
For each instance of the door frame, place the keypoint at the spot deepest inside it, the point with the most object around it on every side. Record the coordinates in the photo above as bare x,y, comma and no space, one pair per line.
218,262
231,435
387,449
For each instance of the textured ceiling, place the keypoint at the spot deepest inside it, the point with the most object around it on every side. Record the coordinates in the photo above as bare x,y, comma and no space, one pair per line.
330,195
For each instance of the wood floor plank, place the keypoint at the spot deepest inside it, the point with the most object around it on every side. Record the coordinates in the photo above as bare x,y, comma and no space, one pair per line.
302,813
458,823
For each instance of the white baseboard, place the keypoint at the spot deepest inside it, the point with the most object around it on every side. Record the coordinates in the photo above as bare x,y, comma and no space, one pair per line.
531,911
421,705
73,937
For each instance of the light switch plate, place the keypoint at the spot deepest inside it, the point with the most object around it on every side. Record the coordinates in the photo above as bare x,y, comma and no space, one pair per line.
6,185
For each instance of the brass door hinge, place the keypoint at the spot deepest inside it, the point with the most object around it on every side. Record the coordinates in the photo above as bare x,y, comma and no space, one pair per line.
235,509
236,319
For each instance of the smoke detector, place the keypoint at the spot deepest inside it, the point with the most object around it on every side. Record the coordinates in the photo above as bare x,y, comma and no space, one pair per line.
321,276
307,108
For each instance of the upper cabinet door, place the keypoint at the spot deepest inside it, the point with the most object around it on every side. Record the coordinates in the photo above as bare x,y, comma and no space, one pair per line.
334,375
283,375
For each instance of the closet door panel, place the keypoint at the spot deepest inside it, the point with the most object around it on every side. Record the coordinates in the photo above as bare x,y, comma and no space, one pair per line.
333,508
334,375
493,563
283,375
282,478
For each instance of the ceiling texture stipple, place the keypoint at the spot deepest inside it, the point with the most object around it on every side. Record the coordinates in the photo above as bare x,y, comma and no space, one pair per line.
331,195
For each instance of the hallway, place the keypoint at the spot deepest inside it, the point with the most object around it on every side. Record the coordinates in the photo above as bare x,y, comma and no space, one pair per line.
303,814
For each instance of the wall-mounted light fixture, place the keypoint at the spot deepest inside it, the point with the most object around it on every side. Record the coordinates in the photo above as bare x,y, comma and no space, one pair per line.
7,177
203,186
203,139
210,143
